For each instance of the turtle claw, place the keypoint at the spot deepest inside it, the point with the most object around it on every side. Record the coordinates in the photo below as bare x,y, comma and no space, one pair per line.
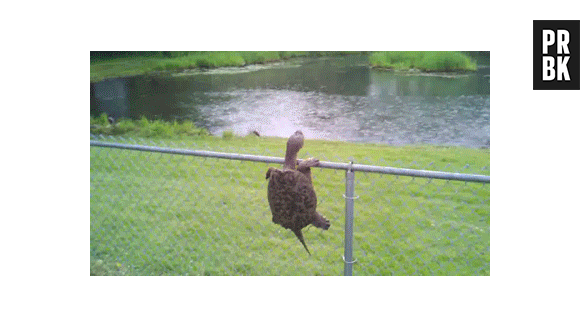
308,163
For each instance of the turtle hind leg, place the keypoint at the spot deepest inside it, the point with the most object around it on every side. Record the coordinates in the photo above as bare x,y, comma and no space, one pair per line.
320,222
301,238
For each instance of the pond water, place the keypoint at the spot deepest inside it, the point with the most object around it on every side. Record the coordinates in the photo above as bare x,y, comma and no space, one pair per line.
338,98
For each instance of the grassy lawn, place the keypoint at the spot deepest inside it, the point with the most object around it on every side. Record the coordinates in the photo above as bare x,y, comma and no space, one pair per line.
161,214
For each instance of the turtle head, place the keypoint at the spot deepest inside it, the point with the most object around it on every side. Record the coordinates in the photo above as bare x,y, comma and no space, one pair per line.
294,144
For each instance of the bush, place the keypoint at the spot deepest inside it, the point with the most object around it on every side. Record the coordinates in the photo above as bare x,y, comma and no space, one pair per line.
203,63
146,128
422,60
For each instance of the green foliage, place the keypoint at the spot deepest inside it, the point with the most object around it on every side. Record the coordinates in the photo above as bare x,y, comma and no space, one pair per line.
100,120
146,128
225,59
187,128
445,61
253,57
228,134
203,63
123,126
292,54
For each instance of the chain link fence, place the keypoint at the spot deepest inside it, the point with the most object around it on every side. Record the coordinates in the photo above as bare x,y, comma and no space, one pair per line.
160,209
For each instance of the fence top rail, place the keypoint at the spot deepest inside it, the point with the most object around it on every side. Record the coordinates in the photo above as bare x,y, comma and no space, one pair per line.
324,165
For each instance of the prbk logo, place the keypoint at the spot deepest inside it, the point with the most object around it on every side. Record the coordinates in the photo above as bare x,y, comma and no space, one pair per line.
556,54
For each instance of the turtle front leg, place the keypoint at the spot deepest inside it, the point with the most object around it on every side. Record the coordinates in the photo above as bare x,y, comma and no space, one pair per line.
305,165
270,169
308,163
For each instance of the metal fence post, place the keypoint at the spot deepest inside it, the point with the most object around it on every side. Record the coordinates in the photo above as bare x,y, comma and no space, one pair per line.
349,221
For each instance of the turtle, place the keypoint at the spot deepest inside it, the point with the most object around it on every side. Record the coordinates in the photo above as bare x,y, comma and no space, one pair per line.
291,194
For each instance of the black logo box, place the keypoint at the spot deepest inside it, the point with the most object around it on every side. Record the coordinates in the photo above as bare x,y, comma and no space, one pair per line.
573,62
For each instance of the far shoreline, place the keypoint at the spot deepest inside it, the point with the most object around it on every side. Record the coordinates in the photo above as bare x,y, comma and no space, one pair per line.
414,62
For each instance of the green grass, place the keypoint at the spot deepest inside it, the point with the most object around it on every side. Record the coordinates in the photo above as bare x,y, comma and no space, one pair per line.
144,63
430,61
160,214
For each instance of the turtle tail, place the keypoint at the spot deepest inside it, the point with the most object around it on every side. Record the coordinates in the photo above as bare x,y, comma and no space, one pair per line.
301,238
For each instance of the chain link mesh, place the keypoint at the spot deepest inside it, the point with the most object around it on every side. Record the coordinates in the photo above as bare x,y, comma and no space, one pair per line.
162,214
